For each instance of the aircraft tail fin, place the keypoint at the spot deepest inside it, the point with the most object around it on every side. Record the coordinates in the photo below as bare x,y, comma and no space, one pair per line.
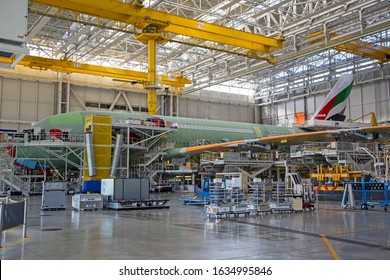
333,107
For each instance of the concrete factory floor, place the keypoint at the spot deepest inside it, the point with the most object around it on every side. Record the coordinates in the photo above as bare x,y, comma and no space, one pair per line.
184,232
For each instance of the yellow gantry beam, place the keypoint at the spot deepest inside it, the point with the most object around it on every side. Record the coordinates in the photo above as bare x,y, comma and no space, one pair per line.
382,54
142,17
357,47
68,66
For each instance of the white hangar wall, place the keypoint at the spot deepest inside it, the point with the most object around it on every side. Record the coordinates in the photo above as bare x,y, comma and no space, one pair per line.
24,101
26,98
217,106
364,98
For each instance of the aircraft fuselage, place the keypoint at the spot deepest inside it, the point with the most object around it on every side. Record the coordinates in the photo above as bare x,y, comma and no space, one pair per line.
188,130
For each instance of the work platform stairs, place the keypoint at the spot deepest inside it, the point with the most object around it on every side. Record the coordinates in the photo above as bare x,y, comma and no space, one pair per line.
150,158
7,177
207,162
231,169
360,155
312,162
234,162
372,160
358,159
210,170
149,165
294,184
252,176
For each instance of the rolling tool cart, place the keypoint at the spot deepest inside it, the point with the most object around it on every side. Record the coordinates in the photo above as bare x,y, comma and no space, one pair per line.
366,194
53,195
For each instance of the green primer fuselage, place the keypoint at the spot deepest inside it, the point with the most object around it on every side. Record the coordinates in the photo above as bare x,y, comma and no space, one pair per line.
189,130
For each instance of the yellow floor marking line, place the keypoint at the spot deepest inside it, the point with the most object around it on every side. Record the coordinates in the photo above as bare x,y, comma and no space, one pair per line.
13,229
14,243
331,250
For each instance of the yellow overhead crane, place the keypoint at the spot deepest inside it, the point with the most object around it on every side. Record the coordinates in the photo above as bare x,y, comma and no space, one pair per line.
357,47
150,81
156,24
361,48
68,66
141,17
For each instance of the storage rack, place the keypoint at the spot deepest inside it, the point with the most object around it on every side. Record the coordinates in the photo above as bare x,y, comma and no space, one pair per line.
279,199
224,202
258,201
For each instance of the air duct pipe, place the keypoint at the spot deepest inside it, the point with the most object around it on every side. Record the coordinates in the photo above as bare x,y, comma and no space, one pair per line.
90,155
162,105
117,152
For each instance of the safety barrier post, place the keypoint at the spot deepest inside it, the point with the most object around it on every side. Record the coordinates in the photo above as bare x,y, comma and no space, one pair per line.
5,203
1,222
25,219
